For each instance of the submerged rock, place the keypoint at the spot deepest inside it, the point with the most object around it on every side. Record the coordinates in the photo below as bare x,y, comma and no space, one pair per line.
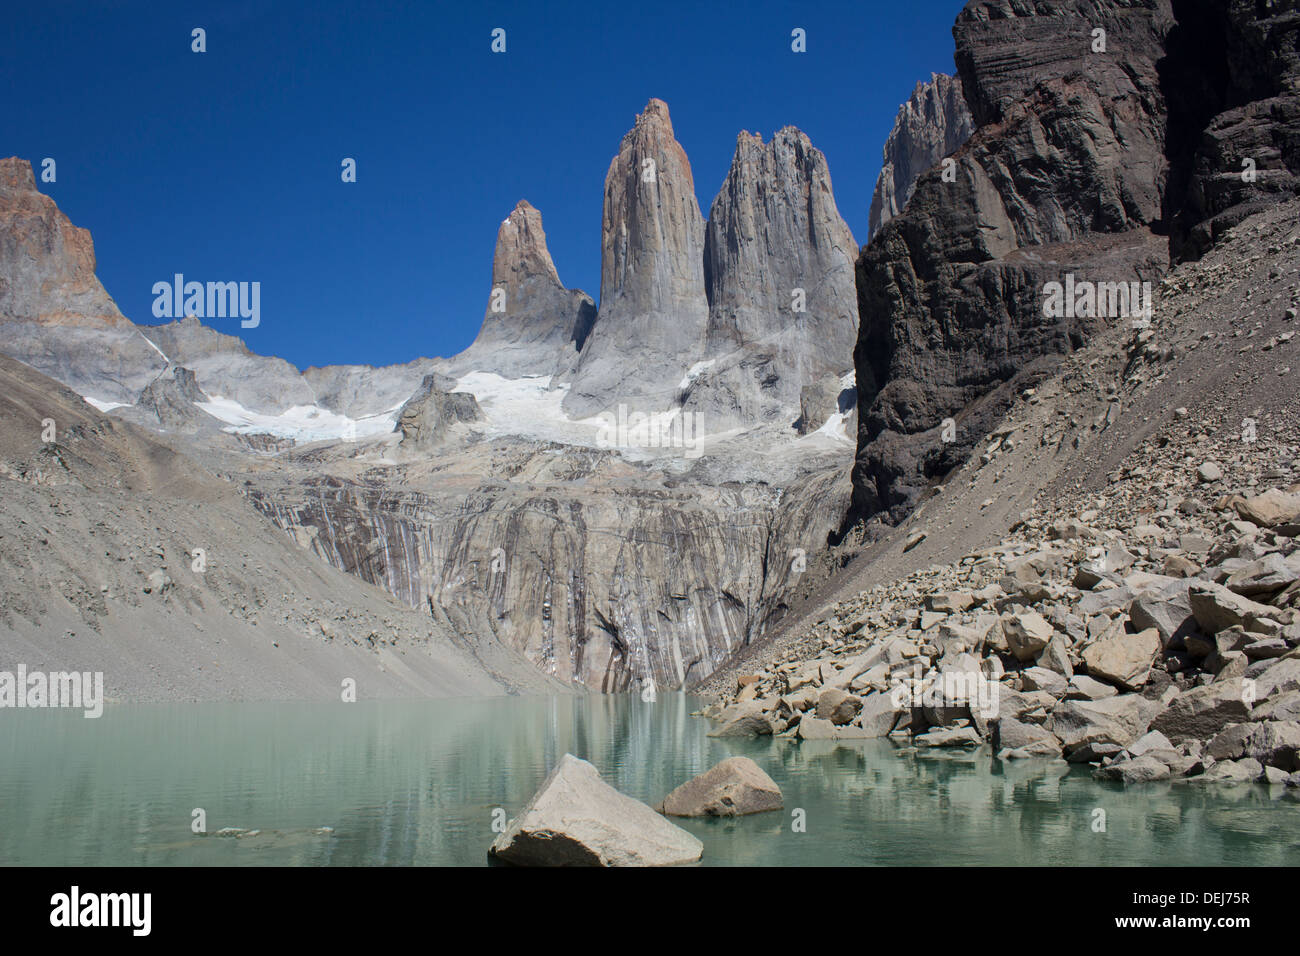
731,788
576,819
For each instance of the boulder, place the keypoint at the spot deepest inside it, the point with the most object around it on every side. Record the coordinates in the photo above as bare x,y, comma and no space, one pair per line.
1201,712
1013,734
1027,634
838,707
1269,574
815,728
1216,608
1168,610
1274,743
1124,660
734,787
1272,508
1094,752
878,715
1151,740
1040,678
1137,770
576,819
743,719
1108,599
1235,771
1285,706
1056,657
1282,674
948,602
1115,720
949,737
1083,687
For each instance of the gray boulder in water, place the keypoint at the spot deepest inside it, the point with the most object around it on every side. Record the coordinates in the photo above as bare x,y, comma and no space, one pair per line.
730,788
576,819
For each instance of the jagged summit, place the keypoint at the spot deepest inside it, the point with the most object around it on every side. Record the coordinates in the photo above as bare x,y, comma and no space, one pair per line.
778,266
931,124
655,113
16,173
521,247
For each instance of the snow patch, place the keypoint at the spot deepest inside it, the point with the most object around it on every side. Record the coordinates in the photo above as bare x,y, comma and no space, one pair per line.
155,347
530,408
694,372
302,423
105,406
836,427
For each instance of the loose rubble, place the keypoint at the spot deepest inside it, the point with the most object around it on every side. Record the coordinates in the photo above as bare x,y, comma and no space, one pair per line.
1152,631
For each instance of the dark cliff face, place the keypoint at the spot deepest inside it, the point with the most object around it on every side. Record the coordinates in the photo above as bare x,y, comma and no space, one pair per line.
1232,81
1083,163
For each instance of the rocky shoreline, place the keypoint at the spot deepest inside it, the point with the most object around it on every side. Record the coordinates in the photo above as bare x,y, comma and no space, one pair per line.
1151,636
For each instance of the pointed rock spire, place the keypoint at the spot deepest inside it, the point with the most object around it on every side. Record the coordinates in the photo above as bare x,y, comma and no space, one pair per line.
774,229
653,310
778,266
533,325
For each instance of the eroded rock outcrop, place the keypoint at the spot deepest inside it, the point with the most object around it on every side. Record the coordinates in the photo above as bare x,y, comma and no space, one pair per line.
1232,79
653,313
54,312
1108,136
425,419
930,125
48,264
171,397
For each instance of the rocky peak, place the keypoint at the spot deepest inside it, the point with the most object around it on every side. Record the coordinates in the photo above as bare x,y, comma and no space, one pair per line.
778,266
533,325
652,299
521,251
1067,158
16,173
47,265
932,124
774,228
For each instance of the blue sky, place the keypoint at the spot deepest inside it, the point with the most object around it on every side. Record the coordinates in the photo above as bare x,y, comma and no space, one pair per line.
225,165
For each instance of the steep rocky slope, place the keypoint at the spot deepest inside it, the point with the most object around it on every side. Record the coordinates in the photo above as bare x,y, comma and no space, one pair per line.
119,555
930,125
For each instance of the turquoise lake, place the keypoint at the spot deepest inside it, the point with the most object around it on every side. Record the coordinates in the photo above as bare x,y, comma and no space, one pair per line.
421,782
